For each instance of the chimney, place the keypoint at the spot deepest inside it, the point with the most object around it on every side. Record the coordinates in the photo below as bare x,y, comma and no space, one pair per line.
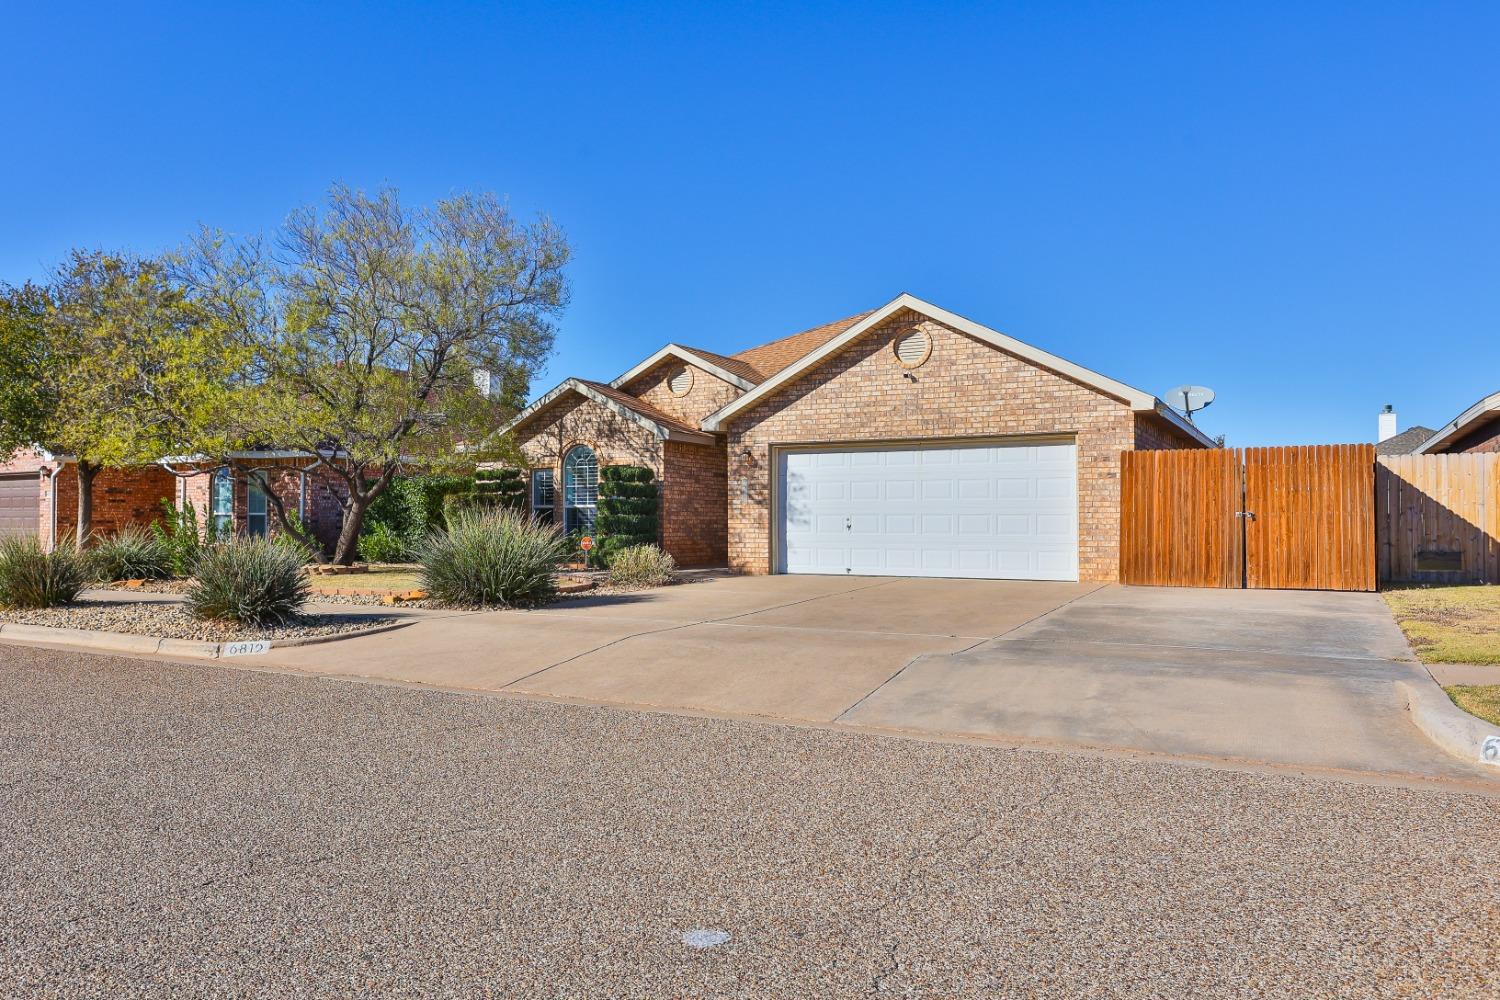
1387,423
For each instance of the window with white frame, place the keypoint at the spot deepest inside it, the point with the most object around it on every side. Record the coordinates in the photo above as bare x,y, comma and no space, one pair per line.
542,495
580,489
221,503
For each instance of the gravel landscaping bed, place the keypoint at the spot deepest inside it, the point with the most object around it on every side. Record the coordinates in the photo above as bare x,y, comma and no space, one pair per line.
170,620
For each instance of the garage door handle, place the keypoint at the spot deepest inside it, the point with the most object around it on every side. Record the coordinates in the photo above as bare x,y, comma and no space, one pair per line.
848,524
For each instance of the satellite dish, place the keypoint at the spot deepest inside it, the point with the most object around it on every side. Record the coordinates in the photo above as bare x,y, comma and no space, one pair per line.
1190,398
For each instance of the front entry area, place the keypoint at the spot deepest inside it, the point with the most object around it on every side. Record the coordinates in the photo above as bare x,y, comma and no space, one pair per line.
998,511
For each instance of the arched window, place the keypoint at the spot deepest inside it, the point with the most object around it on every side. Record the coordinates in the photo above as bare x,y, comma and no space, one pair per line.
580,488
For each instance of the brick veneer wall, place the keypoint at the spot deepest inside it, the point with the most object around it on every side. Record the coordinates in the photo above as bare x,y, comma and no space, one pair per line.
967,388
694,500
121,497
708,393
572,420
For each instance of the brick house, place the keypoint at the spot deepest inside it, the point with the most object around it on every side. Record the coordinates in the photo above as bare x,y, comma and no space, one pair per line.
1475,430
904,441
39,495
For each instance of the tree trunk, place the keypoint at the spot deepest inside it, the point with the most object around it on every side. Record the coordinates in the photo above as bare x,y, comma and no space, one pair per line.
85,527
278,508
353,520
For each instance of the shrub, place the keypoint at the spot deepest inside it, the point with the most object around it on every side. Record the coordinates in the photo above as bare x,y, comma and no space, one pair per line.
640,566
304,553
412,506
629,501
491,557
252,581
33,578
178,534
506,487
132,553
380,543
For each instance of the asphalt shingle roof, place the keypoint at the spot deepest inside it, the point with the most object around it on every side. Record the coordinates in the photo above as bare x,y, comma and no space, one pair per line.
1406,442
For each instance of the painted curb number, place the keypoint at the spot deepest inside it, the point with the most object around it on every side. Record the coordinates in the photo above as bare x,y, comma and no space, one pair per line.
246,648
1489,751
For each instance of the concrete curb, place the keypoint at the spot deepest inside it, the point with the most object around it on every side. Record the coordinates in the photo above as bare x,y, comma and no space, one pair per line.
1450,727
124,642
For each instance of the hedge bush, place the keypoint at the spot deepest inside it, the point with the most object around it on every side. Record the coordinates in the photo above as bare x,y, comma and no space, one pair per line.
409,508
629,509
252,581
132,553
31,577
489,557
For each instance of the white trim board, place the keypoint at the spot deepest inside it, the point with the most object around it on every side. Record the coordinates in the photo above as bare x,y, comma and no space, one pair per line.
690,356
1137,400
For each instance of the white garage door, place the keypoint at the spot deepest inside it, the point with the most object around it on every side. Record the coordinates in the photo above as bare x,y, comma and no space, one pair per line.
1002,511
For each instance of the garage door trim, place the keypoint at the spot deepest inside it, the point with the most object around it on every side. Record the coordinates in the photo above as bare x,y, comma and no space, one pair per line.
776,450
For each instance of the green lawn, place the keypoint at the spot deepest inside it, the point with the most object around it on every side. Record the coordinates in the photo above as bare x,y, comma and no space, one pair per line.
1457,624
1482,700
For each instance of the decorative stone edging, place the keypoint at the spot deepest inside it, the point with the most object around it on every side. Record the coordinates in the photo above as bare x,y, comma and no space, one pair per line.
1449,726
125,642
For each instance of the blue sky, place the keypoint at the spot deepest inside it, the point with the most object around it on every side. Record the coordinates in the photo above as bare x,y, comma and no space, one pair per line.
1295,204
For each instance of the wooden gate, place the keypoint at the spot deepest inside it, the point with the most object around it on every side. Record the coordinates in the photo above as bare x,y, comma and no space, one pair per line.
1177,518
1311,521
1286,518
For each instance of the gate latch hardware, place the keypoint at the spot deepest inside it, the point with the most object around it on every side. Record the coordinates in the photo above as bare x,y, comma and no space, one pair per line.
848,524
1245,513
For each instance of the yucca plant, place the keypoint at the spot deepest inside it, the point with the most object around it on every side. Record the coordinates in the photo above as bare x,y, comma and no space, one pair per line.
31,577
251,581
640,566
132,553
489,557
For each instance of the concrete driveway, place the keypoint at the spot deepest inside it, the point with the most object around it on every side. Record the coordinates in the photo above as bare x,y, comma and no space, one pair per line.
1284,677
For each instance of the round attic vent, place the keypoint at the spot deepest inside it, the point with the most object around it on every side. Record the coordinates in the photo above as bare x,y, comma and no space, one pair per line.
681,381
913,348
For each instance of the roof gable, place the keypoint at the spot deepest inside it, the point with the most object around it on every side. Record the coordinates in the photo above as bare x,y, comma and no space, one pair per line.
835,336
735,375
770,359
665,426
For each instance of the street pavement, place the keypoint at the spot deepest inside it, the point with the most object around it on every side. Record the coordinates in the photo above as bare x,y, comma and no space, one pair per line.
186,830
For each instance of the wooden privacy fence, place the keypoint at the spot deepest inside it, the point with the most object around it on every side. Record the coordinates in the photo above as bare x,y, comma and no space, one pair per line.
1438,518
1295,518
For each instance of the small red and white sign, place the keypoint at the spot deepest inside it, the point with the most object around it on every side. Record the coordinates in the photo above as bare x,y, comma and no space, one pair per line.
587,543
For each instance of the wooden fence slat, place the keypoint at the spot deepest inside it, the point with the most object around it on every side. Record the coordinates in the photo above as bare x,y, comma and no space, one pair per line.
1439,507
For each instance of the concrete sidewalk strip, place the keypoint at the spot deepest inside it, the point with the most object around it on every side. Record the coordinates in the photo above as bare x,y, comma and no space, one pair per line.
1468,674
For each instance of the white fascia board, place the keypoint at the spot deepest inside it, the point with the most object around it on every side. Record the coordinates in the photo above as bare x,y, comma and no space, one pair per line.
691,357
1141,402
1459,424
661,431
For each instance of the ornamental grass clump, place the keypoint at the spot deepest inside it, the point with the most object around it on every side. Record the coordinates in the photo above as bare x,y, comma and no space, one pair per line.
31,577
251,581
132,553
641,566
490,557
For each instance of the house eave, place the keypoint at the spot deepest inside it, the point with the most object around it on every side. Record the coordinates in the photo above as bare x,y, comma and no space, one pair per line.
662,431
1460,425
687,355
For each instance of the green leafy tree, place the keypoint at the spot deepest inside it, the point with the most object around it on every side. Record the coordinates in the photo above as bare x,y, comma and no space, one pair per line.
26,399
128,369
369,323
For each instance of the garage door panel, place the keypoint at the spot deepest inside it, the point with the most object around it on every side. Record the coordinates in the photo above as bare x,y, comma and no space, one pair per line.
997,511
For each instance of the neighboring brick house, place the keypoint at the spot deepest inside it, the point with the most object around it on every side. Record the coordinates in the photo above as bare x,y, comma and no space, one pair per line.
1477,429
44,491
902,441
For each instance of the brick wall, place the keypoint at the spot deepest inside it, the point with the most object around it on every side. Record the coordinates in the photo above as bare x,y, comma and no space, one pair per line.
121,497
707,394
323,508
966,389
573,420
694,501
